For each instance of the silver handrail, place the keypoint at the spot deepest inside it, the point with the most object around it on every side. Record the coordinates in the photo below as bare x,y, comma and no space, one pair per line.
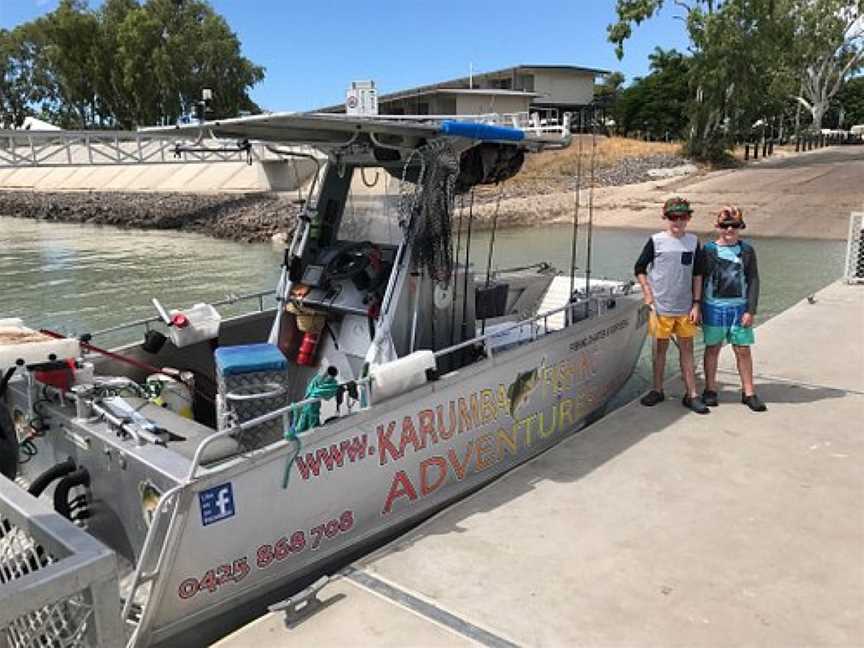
229,299
168,499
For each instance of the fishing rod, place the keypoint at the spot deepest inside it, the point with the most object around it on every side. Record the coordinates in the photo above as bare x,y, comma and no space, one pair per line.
467,263
455,272
492,247
591,212
575,235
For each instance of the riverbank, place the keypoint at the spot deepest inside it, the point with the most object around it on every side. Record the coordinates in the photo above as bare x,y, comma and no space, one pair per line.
807,196
239,217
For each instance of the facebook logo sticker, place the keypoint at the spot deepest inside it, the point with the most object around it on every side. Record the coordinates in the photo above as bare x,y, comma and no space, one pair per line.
217,503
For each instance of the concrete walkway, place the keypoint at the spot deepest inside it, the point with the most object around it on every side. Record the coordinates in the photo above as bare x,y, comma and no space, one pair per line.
651,527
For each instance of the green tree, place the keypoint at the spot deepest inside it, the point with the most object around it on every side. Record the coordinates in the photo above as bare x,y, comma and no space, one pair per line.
125,64
733,72
656,105
847,108
828,48
68,38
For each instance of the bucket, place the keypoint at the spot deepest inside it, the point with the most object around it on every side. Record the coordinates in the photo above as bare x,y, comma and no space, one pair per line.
173,394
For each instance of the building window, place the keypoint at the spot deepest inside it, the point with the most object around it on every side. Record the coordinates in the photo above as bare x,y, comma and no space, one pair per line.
525,82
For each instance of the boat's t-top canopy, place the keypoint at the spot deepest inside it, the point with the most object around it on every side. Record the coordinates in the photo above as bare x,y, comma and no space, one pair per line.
352,251
329,132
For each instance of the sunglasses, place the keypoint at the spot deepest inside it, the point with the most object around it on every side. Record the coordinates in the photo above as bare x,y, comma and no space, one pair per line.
678,217
730,225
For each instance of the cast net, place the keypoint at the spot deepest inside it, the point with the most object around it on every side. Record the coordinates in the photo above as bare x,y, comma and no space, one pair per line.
426,198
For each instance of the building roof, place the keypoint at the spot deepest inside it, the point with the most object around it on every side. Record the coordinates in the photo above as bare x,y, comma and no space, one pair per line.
453,84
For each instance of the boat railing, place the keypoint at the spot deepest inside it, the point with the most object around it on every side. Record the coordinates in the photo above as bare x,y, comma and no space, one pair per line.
160,537
531,122
146,322
580,308
59,584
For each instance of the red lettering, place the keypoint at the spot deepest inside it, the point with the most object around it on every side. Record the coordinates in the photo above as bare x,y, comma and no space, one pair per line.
427,488
308,465
460,468
400,487
446,433
331,457
487,406
469,413
427,426
409,435
484,452
385,445
355,448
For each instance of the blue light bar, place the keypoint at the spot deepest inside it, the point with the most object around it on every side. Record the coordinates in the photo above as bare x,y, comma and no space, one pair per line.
483,132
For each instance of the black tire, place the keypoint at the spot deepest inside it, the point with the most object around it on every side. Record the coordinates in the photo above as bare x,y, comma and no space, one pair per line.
8,443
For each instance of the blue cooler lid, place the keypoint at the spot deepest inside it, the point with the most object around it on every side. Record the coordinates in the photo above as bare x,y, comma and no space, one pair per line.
249,358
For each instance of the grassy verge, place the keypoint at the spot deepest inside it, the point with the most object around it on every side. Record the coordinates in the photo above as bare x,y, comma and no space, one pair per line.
610,151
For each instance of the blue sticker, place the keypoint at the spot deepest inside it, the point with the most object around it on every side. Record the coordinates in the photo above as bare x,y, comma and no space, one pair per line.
217,503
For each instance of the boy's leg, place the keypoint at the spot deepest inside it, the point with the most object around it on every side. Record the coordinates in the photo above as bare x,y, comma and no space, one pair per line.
710,361
688,370
744,359
660,347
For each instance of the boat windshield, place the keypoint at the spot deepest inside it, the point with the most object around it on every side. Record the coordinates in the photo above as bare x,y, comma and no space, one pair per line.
372,208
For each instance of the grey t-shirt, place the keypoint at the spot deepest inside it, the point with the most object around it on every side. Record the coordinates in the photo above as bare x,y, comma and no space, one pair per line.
673,263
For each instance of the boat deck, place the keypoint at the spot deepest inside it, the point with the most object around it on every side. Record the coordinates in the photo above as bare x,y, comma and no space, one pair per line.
650,527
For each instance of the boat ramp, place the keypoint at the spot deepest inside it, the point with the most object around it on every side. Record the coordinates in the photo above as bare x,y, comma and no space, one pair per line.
650,527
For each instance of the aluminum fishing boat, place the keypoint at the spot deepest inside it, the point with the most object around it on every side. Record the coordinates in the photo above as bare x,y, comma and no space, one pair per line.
225,462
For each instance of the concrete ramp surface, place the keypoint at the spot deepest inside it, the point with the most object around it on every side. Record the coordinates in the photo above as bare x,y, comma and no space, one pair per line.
651,527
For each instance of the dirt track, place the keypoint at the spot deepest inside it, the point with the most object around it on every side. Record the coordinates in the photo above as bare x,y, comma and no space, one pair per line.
808,195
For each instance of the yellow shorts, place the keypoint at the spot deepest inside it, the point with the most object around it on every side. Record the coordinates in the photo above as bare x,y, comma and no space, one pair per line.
663,327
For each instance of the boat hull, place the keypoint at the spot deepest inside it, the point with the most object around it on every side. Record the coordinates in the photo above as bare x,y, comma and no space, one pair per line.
242,530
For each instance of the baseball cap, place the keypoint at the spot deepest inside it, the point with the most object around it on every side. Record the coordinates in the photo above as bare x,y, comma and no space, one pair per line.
677,205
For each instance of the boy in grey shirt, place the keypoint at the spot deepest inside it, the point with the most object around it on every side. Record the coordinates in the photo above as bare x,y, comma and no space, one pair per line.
670,269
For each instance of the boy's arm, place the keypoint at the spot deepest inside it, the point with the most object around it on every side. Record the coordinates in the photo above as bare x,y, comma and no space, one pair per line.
646,257
698,273
751,274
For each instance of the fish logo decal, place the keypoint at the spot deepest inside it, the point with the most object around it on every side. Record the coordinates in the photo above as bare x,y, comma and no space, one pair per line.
520,389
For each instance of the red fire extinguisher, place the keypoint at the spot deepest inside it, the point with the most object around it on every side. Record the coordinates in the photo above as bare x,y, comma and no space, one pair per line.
306,354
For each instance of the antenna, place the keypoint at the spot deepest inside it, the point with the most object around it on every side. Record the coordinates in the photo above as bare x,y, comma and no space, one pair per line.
591,211
575,237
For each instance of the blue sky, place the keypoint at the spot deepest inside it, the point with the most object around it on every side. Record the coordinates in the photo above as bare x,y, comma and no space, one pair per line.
313,50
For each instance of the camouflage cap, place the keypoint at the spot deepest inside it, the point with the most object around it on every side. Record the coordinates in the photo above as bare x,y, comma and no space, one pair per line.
677,205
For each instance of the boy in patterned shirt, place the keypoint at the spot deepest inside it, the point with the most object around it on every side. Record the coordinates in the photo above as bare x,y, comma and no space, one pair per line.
731,295
669,269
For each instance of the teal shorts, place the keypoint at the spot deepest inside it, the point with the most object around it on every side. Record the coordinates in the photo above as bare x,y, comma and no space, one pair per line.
722,323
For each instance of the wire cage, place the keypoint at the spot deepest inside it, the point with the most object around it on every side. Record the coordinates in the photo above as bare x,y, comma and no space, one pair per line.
854,268
58,586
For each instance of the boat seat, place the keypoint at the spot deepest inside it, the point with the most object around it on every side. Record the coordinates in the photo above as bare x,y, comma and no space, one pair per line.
251,381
